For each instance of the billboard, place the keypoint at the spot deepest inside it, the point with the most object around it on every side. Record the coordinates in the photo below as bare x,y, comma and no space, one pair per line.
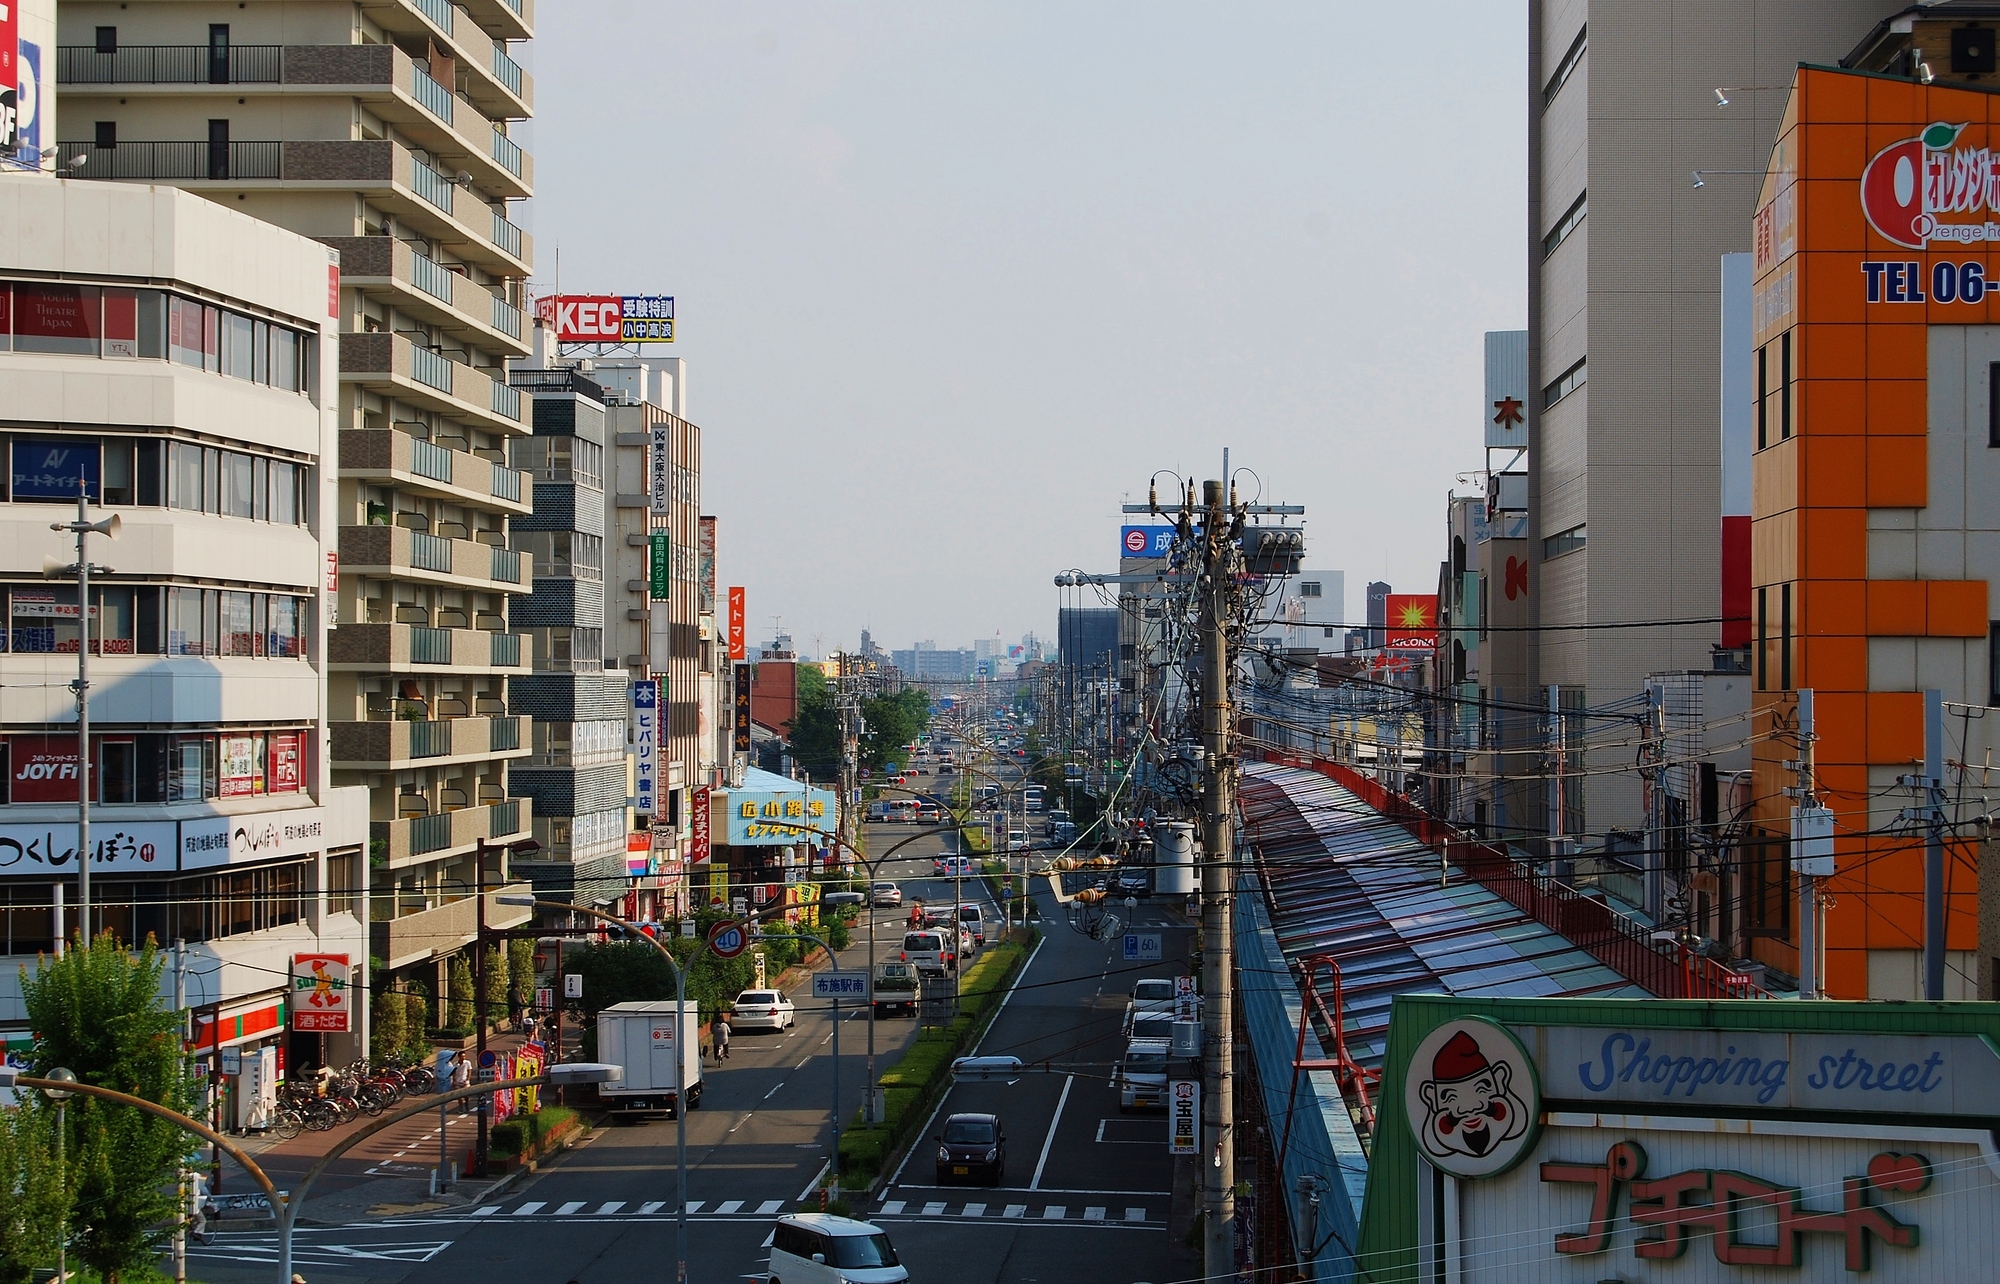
769,818
646,745
659,566
1411,621
1145,541
736,647
660,468
321,999
609,318
1506,412
43,768
698,827
742,709
705,568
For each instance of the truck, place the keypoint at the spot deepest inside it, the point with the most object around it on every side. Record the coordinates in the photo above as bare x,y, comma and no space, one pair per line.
898,988
644,1038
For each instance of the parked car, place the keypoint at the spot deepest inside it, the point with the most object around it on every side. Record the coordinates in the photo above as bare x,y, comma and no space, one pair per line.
762,1010
1142,1075
1133,882
929,950
820,1248
973,919
888,894
898,988
1153,994
1149,1025
970,1146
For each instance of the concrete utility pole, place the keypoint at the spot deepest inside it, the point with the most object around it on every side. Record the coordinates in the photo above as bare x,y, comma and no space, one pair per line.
1934,942
1218,1174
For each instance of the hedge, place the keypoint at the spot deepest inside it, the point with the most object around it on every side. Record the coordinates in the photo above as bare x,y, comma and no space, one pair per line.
920,1076
523,1133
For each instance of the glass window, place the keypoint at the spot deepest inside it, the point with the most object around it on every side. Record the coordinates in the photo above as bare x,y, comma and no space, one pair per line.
184,331
285,494
184,476
53,468
260,488
43,619
57,318
184,621
193,769
284,359
211,480
6,317
239,635
112,630
260,352
117,771
287,640
211,338
119,481
239,492
152,323
121,323
238,337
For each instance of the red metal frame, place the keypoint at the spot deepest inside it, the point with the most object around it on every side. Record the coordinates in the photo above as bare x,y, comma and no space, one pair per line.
1348,1073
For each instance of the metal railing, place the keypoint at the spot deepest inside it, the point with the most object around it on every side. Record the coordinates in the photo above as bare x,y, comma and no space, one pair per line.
506,70
506,650
506,566
431,185
506,483
440,12
430,739
430,368
505,819
432,277
505,400
430,552
506,235
506,318
430,646
505,733
433,97
174,160
428,459
170,65
507,152
430,833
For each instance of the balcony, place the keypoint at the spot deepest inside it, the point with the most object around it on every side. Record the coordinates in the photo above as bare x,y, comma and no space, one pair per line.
469,31
408,648
79,66
413,933
401,744
418,839
398,553
201,161
384,454
429,379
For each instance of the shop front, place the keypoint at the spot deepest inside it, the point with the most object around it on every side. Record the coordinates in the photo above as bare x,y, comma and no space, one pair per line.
1591,1140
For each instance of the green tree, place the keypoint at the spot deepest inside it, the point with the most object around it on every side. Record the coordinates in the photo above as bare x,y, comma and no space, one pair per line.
417,1018
815,730
521,972
36,1198
97,1011
493,1003
390,1034
458,1011
894,721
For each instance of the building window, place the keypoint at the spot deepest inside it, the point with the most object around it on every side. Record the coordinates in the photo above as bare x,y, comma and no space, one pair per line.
1566,383
1784,385
1763,391
1571,220
86,320
1763,639
107,40
1784,637
1310,588
1993,664
105,135
1993,404
1767,885
1567,67
1568,541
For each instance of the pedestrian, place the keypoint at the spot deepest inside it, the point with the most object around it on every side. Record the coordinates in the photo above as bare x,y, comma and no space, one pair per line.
461,1077
721,1032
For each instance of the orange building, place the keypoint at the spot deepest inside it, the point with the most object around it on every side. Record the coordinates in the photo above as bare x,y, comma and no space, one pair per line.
1876,527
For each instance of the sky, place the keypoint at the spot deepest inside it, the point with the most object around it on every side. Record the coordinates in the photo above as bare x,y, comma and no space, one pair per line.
953,281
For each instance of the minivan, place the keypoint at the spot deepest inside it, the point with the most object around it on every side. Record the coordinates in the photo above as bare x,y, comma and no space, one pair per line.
929,950
1142,1075
973,920
820,1248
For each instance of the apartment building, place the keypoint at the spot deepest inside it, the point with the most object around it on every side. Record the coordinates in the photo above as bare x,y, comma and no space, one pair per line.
382,130
175,361
1638,182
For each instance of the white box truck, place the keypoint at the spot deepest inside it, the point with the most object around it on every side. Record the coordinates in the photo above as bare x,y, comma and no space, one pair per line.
645,1038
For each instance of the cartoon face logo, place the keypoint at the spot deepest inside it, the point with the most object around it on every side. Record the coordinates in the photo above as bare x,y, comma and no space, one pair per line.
1472,1099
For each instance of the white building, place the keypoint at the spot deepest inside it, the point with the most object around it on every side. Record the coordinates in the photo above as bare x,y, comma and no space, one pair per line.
177,359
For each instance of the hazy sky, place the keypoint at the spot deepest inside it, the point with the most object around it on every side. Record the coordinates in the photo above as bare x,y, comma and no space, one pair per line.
954,279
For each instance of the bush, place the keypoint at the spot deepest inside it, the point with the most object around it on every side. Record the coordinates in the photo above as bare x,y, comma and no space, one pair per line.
391,1033
458,1011
493,1003
521,972
416,1020
523,1133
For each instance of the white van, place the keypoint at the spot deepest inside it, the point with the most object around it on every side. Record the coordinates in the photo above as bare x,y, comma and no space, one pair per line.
973,920
929,950
819,1248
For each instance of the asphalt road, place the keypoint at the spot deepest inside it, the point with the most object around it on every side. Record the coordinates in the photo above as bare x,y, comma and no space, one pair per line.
1085,1194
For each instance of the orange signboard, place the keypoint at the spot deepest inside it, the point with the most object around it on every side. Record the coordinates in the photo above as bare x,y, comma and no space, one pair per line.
736,624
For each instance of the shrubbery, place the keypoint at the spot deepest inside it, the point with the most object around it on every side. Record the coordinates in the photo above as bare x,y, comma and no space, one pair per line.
523,1132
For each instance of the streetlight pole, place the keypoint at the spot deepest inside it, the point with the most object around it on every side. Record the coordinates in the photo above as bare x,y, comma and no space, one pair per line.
82,527
479,1013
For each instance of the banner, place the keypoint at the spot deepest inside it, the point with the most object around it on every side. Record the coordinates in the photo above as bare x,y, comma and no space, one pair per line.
698,826
659,565
742,702
736,647
1412,621
660,468
321,999
1184,1117
705,568
646,745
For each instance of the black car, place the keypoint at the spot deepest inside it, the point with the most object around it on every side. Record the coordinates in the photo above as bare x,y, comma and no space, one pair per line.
972,1146
1133,882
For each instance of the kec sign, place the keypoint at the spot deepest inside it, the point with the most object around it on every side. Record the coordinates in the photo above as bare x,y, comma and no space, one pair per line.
610,318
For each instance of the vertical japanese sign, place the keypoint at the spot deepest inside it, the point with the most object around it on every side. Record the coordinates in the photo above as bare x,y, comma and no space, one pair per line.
698,827
742,703
321,999
705,570
659,565
1184,1117
660,468
736,649
646,745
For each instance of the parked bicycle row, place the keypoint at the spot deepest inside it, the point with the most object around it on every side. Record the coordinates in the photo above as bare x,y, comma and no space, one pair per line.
320,1098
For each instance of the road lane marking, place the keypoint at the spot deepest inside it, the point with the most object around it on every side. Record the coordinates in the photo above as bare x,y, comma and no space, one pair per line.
694,1206
609,1207
569,1208
651,1206
770,1236
813,1185
530,1208
1093,1214
802,1064
1135,1214
894,1207
1054,1213
1036,1182
974,1210
933,1208
774,1090
769,1206
728,1206
1015,1210
487,1211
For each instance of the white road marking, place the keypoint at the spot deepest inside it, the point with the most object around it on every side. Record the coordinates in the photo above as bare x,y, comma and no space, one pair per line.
933,1208
1035,1183
813,1185
1135,1214
773,1234
1015,1210
769,1206
694,1206
569,1208
609,1207
530,1208
774,1090
728,1206
894,1207
651,1206
1093,1214
487,1211
1054,1213
974,1210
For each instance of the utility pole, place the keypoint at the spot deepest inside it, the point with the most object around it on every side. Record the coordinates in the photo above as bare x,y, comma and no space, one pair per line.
1812,856
82,528
1934,846
1655,754
1218,1178
181,1170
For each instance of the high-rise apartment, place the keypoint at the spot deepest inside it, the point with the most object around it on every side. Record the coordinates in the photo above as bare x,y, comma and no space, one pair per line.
1638,182
381,129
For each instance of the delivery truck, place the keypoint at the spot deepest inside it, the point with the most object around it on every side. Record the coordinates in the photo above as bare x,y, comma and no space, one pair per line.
644,1038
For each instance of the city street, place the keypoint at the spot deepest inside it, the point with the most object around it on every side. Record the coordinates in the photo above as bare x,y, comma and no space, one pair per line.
1083,1184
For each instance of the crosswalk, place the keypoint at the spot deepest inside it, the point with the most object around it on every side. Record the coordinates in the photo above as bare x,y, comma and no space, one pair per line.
900,1209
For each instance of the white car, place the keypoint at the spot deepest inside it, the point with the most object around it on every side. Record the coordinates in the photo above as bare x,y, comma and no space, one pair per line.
762,1010
888,894
820,1248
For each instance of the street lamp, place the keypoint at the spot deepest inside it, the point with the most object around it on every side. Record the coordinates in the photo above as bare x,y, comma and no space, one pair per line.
525,847
61,1097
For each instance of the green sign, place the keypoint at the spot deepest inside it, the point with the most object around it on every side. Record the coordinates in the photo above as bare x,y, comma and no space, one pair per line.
661,564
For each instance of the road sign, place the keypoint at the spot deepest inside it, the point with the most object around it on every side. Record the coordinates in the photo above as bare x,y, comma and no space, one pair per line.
1142,947
572,985
728,939
841,985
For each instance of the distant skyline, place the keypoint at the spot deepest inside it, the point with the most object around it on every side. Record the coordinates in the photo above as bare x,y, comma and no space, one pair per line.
953,281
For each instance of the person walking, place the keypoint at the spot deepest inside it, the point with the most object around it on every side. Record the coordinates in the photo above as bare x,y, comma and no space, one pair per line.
721,1031
461,1077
